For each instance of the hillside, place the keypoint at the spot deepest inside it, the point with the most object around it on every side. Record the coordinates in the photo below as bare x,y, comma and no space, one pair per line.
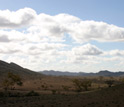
16,69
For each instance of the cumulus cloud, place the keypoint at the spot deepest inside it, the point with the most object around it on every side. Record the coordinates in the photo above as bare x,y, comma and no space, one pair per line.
42,48
16,19
31,48
59,25
80,30
40,39
46,25
90,54
115,52
12,36
87,49
82,54
9,48
4,38
99,31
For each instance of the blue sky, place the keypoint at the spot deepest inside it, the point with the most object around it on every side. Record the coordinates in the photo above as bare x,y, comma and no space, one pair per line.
91,36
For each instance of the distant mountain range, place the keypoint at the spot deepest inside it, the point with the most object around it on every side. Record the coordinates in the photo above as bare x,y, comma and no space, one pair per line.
28,74
16,69
100,73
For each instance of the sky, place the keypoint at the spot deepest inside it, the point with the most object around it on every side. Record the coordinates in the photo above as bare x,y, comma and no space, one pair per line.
64,35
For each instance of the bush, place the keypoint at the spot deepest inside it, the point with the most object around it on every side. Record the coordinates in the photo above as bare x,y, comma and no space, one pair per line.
65,88
44,86
53,91
81,84
77,85
109,82
85,84
32,93
11,80
1,94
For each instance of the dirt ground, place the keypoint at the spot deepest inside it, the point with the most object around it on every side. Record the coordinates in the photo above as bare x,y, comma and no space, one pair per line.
108,97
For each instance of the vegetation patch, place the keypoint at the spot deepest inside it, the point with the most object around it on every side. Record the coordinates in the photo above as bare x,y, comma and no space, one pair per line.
32,93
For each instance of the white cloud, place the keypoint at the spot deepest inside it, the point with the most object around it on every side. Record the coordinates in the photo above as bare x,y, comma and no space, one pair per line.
99,31
42,48
10,48
46,25
30,48
116,52
59,25
16,19
12,36
82,54
39,40
79,30
87,49
4,38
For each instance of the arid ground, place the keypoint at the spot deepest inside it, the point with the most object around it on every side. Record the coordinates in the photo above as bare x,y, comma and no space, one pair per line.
50,91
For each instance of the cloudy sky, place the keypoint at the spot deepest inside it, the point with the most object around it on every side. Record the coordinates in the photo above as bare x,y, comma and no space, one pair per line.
65,35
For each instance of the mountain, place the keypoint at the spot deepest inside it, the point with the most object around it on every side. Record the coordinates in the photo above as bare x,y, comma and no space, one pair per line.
16,69
28,74
58,73
100,73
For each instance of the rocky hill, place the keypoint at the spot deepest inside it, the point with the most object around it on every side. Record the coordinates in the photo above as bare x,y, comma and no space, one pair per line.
16,69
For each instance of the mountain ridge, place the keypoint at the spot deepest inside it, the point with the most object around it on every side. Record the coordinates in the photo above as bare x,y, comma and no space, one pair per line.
66,73
24,72
17,69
